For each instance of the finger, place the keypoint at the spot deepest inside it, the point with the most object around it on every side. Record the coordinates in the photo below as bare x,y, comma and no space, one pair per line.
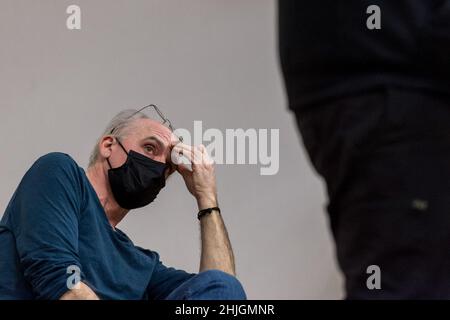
183,147
172,144
182,156
201,155
183,169
174,140
181,150
205,155
195,154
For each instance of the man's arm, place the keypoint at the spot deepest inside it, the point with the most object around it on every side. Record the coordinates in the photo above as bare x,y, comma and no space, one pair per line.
201,183
216,247
45,223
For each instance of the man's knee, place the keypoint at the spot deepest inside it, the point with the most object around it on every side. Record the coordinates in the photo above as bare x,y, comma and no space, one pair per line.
228,282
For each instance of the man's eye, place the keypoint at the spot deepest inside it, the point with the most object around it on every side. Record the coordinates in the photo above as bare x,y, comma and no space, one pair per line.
149,148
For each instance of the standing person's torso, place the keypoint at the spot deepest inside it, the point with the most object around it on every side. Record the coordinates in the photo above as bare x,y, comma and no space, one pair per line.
327,50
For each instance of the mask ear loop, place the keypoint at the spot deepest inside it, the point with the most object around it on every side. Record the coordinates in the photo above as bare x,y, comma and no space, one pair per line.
120,144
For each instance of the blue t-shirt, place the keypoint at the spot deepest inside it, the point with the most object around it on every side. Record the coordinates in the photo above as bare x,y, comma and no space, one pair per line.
55,224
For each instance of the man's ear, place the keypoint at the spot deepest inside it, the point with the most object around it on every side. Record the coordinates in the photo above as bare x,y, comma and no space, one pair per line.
105,146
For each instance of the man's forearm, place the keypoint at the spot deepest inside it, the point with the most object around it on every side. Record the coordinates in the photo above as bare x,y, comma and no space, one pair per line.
216,248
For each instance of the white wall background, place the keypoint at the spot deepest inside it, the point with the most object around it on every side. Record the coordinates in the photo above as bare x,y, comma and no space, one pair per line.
209,60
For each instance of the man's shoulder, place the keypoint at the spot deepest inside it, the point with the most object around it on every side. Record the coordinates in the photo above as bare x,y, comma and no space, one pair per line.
56,158
54,165
55,161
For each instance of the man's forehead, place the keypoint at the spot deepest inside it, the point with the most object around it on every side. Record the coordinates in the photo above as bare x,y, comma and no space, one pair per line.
144,128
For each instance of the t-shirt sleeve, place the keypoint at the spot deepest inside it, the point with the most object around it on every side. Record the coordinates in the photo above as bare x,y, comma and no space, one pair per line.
164,280
45,222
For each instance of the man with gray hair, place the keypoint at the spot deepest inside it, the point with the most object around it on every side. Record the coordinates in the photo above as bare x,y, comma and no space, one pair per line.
58,236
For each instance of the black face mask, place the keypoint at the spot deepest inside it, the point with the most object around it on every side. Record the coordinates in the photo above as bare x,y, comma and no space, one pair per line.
138,181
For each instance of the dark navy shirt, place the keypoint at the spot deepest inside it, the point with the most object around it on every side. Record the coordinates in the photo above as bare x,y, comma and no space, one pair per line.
55,223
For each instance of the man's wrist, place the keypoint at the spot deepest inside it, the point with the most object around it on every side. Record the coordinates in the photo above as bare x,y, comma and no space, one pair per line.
206,202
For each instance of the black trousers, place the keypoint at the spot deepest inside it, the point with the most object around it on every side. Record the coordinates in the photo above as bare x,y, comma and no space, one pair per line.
385,158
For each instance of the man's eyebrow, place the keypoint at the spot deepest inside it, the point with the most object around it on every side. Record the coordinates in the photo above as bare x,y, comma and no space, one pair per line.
158,141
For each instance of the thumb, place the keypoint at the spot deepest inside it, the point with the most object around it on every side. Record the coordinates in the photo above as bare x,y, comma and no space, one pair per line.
183,169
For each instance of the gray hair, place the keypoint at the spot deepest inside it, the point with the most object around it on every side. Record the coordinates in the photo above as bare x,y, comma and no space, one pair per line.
117,127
